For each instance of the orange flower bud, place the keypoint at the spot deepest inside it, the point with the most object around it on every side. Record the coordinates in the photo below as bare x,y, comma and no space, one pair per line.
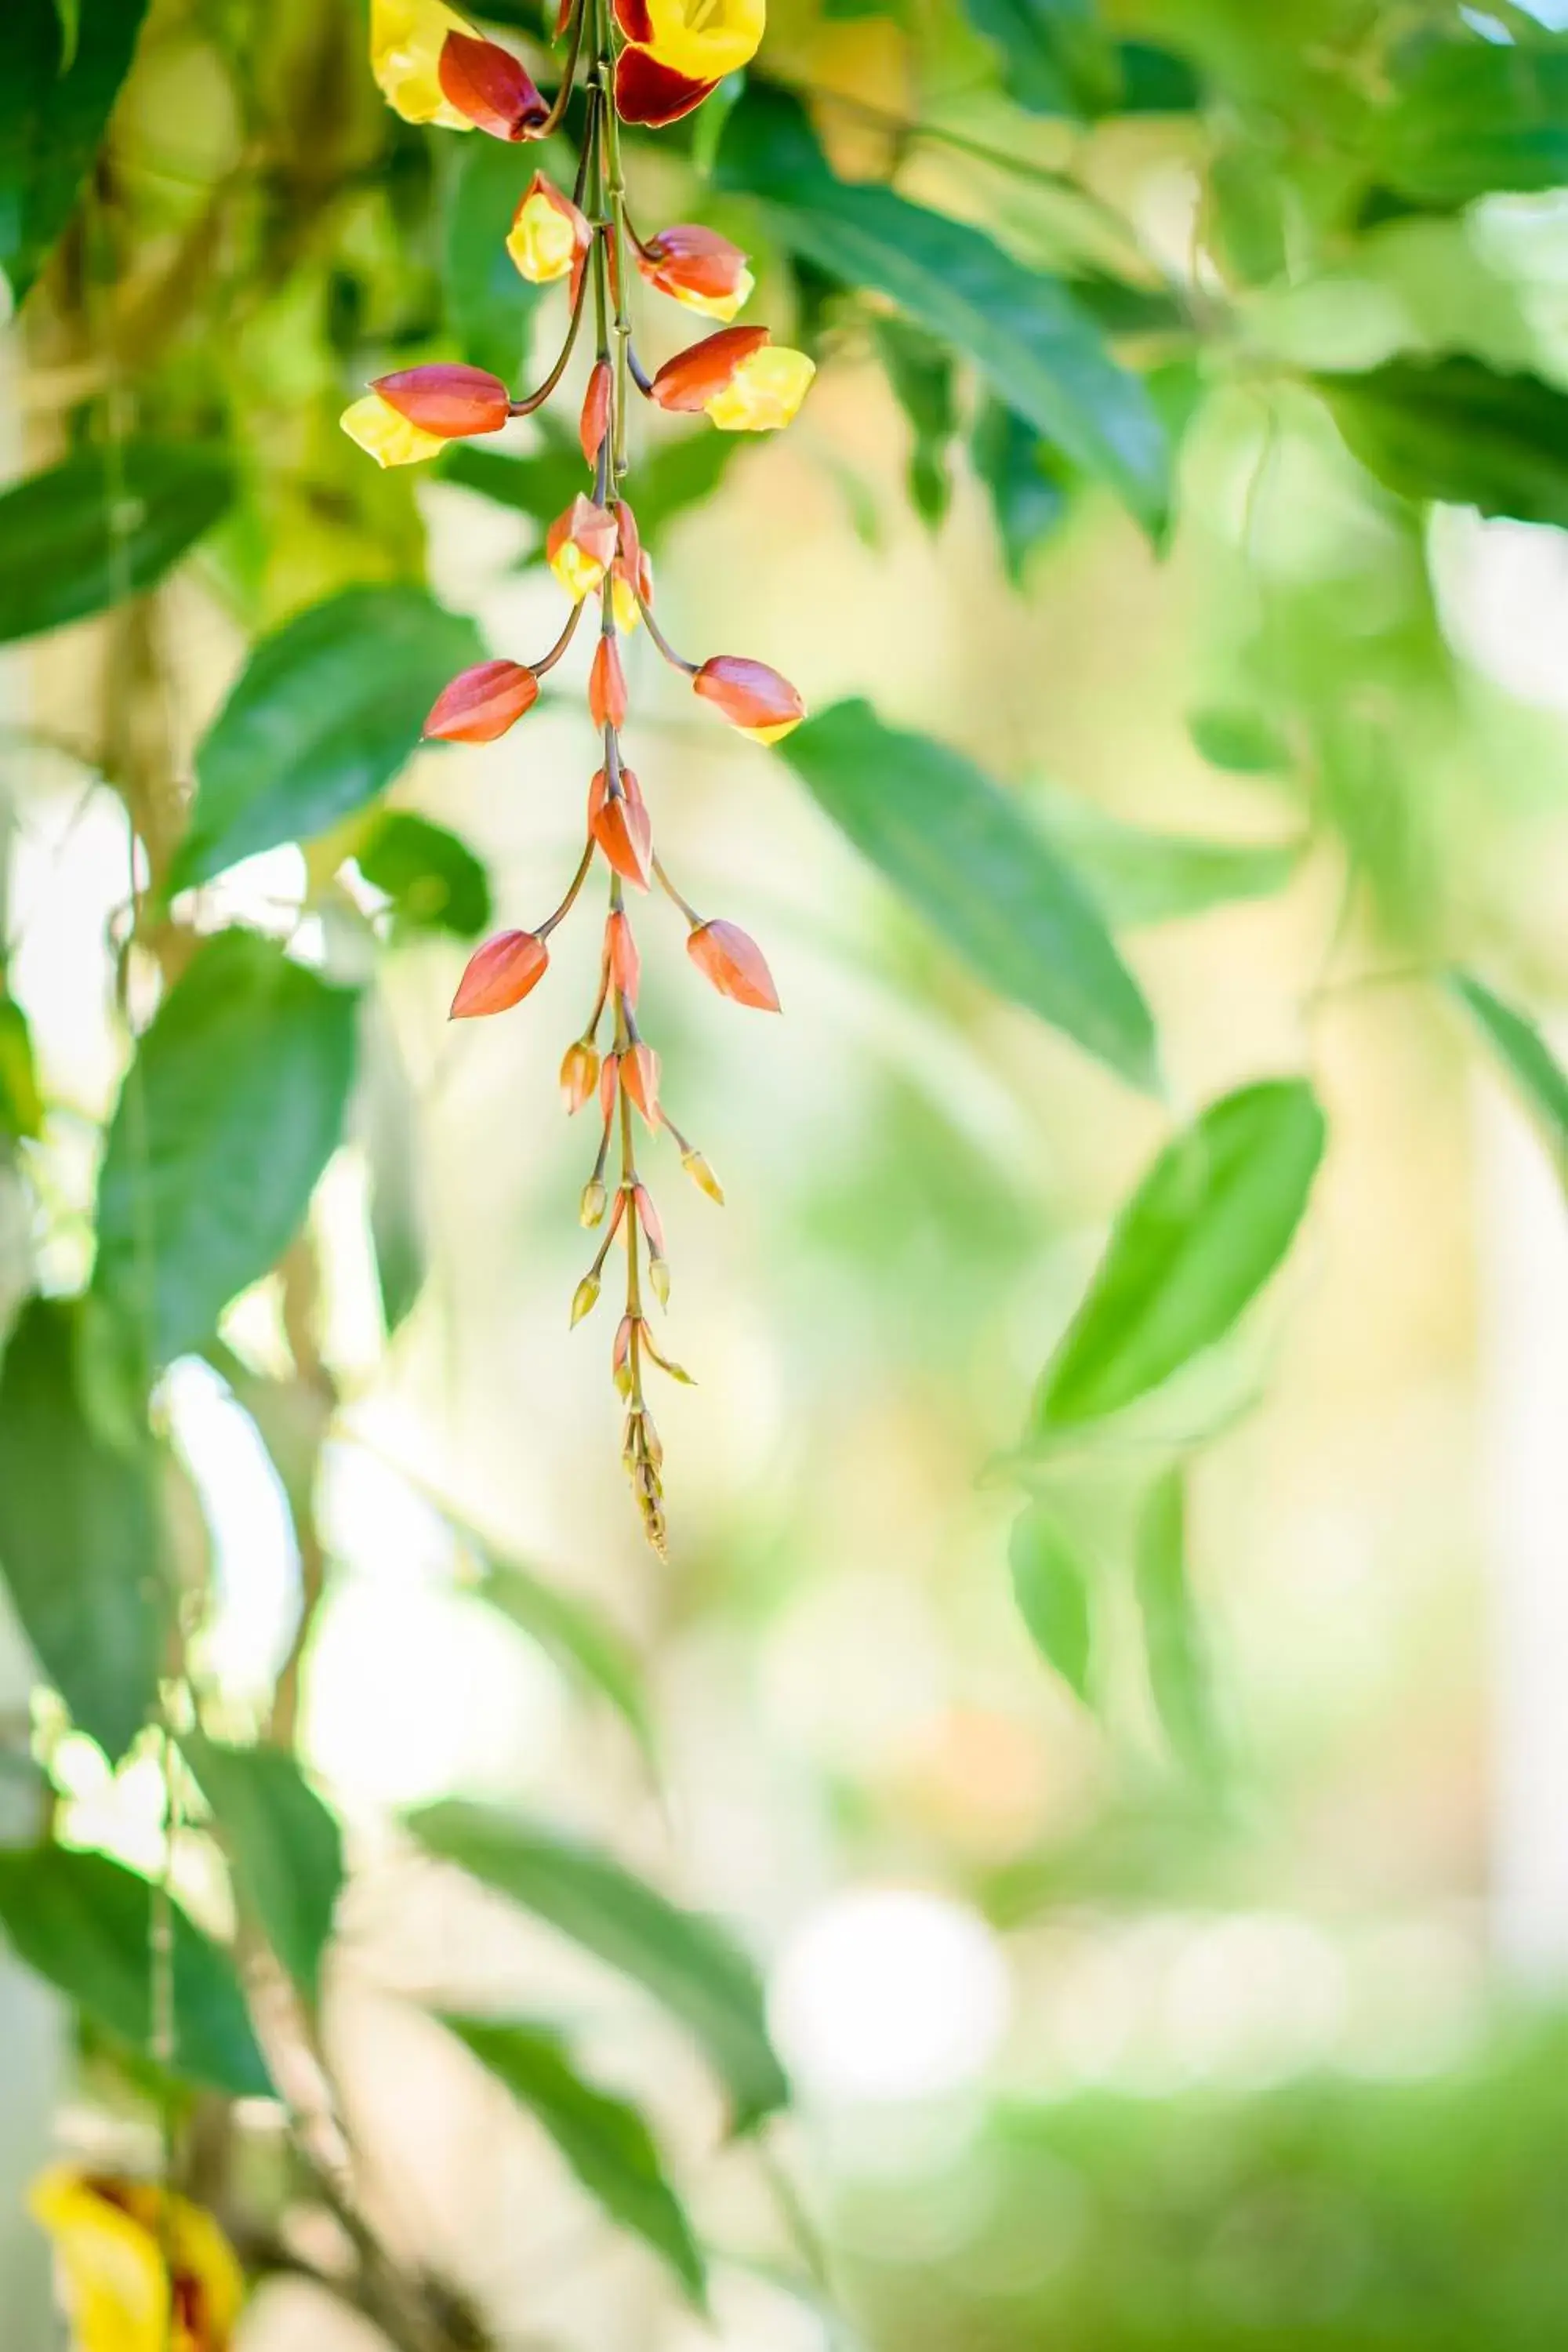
607,685
448,399
584,1299
620,824
548,236
595,417
699,268
579,547
751,696
621,954
702,1176
735,964
579,1074
486,83
591,1207
639,1078
647,1217
482,703
500,975
686,383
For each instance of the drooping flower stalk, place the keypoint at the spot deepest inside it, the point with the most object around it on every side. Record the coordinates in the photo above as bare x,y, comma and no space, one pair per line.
641,61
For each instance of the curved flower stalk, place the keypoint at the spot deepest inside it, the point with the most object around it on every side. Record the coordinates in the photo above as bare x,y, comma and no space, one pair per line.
645,61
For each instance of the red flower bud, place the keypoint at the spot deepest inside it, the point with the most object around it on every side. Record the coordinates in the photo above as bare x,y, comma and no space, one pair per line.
735,964
579,1074
639,1078
620,824
486,83
621,954
607,685
647,92
698,267
500,975
482,703
448,399
751,696
595,415
648,1216
693,377
631,554
621,1351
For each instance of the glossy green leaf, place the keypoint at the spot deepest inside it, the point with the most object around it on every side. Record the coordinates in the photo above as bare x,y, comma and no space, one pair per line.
1471,116
78,1534
1028,488
60,72
1524,1053
434,880
1173,1646
967,857
1195,1244
284,1846
326,713
384,1122
605,2139
581,1639
75,539
685,1961
85,1924
1051,1587
21,1104
921,372
1036,348
1155,877
1455,430
226,1118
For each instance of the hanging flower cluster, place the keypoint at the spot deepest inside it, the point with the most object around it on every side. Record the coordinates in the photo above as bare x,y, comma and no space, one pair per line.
649,62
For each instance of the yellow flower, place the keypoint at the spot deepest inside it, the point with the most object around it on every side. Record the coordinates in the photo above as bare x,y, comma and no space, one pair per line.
406,37
547,233
702,40
764,392
384,434
115,2286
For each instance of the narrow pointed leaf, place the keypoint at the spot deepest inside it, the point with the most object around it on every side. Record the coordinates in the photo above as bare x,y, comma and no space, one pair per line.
1205,1228
60,71
577,1636
1457,431
1051,1587
232,1109
685,1961
85,1924
284,1846
78,1534
92,529
1155,877
1175,1650
605,2139
1524,1053
967,857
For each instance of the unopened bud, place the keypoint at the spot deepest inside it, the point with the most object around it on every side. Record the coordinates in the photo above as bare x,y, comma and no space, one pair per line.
579,1074
702,1176
584,1298
593,1202
658,1275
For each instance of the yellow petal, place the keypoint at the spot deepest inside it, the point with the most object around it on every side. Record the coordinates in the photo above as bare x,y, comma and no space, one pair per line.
625,605
406,37
705,39
541,241
390,438
774,734
716,306
578,571
764,392
109,2243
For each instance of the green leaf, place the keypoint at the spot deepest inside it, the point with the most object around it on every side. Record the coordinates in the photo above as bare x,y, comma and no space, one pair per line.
1524,1054
75,539
21,1104
579,1638
1179,1679
605,2139
966,856
434,880
489,306
227,1116
1153,878
60,71
1056,57
78,1534
1197,1241
327,710
1455,430
1036,348
1028,499
285,1848
921,372
86,1924
678,473
386,1124
1241,741
1471,116
1051,1587
687,1962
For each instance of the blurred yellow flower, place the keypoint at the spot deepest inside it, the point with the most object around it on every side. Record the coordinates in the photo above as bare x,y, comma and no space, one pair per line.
406,37
764,392
384,434
111,2238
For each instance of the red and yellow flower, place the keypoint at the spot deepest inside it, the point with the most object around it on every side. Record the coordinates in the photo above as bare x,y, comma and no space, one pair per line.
678,51
697,267
414,412
739,378
548,238
137,2270
406,37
